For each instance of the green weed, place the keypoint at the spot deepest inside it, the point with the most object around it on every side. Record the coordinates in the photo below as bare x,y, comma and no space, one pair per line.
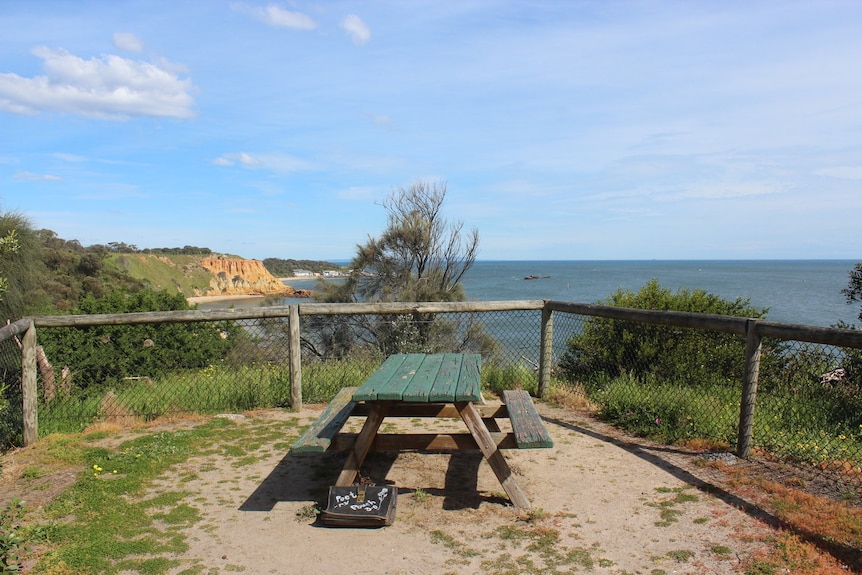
681,555
668,507
112,524
12,542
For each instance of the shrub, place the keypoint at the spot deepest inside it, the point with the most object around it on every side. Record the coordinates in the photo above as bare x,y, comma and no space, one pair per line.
107,353
608,348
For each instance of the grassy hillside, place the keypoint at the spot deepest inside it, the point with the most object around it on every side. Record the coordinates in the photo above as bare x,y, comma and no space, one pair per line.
173,273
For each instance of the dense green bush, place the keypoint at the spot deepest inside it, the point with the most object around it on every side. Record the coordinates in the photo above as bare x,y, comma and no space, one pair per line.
607,348
107,353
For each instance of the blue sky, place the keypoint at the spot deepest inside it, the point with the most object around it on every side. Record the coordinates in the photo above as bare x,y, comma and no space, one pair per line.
563,130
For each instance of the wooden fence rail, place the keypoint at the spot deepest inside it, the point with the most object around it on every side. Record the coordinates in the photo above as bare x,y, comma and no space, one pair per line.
752,329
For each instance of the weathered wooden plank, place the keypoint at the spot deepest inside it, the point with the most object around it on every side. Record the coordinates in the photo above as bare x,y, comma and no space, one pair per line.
441,410
445,385
431,442
492,454
368,390
29,389
393,389
295,359
363,444
321,432
416,307
420,386
530,432
13,329
715,322
470,380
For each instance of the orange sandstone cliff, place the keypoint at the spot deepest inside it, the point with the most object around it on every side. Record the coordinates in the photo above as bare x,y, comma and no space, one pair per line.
232,276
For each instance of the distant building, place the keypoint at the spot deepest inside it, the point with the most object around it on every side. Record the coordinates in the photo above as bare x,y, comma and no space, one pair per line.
303,273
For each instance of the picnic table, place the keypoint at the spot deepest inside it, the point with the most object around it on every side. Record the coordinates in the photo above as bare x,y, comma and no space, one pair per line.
428,385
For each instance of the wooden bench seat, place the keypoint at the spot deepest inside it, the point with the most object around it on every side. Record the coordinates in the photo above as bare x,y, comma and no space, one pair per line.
527,425
319,435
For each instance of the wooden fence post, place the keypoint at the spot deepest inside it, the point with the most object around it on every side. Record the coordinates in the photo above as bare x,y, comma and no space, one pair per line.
295,358
749,389
546,351
28,386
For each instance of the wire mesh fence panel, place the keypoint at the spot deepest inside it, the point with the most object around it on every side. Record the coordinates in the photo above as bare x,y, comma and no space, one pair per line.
151,370
668,383
809,407
684,385
11,406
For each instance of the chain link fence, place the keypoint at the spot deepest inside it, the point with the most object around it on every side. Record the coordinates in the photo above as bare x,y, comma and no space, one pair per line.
669,383
111,372
11,404
682,385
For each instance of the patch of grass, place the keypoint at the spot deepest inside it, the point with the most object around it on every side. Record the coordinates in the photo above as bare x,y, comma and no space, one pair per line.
680,555
654,408
668,512
308,512
721,550
32,472
496,378
762,568
544,542
12,542
535,514
457,547
221,388
107,523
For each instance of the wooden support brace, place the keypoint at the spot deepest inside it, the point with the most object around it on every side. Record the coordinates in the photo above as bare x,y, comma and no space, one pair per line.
492,454
363,443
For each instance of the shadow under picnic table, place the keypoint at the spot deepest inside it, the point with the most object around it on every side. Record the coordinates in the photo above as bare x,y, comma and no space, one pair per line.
308,476
297,477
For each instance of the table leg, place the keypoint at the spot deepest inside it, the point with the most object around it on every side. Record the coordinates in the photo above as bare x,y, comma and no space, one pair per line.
363,443
492,454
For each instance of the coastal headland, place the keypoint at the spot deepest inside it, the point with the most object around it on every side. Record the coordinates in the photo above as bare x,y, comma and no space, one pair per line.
207,278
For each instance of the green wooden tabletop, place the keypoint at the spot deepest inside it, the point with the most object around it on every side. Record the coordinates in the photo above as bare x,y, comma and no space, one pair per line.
420,377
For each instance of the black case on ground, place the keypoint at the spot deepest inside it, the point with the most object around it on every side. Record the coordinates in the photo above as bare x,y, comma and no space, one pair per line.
360,506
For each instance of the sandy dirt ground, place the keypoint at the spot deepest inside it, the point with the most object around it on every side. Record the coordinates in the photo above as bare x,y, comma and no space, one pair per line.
600,505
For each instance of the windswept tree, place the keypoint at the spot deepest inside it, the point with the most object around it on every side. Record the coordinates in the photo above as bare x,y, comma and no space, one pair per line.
852,362
421,256
853,291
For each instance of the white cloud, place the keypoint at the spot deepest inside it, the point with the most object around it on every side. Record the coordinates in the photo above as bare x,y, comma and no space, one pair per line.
273,162
277,16
843,172
31,177
356,29
128,42
236,158
109,87
380,120
723,191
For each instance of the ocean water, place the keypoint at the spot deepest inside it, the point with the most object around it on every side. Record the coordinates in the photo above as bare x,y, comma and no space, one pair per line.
806,292
795,291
